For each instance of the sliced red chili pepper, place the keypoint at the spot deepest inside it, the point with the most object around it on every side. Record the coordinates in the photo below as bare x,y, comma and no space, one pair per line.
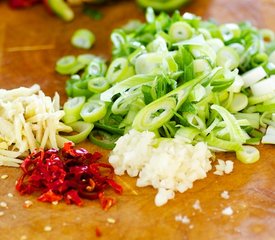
118,189
73,197
50,196
106,202
69,174
98,233
22,3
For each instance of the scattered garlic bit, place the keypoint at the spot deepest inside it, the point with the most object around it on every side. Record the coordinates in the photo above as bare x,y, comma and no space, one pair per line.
28,203
182,219
111,220
225,195
3,205
23,237
224,167
227,211
2,213
197,205
10,195
28,120
4,176
191,226
168,165
47,228
55,203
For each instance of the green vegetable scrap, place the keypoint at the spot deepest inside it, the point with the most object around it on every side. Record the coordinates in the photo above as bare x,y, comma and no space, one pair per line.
179,76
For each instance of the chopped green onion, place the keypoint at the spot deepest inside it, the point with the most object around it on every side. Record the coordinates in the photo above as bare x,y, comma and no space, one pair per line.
154,115
109,128
235,131
264,87
83,129
157,45
72,109
134,55
80,88
218,144
254,75
122,104
119,70
267,35
269,137
86,58
187,134
134,81
180,31
83,38
259,99
239,102
227,57
95,68
93,111
158,112
68,65
252,118
201,66
103,139
239,48
62,9
98,84
259,59
271,57
230,31
248,154
215,43
181,76
161,5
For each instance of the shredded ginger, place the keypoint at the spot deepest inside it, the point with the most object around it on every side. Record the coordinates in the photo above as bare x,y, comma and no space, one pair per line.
28,120
169,165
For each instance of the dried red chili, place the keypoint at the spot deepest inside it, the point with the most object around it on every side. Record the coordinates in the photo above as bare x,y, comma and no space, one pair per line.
69,174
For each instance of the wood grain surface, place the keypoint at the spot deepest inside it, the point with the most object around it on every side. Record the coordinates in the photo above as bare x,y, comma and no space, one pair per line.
31,41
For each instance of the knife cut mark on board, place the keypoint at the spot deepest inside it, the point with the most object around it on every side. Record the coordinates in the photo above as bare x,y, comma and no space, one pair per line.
30,48
2,35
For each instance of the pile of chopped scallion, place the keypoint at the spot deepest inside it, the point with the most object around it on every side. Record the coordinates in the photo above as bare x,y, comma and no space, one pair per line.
177,75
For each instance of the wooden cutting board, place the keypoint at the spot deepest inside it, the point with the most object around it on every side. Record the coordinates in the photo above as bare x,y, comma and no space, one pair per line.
30,43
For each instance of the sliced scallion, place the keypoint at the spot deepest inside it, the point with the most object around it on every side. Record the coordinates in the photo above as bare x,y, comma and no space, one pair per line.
93,111
180,31
227,57
83,129
98,84
248,154
68,65
72,109
83,38
119,70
